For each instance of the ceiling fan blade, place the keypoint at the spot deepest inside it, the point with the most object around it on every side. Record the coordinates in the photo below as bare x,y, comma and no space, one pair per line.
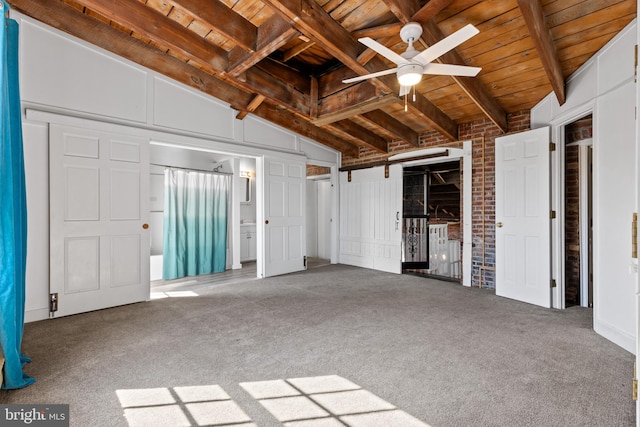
446,44
451,70
383,50
369,76
404,90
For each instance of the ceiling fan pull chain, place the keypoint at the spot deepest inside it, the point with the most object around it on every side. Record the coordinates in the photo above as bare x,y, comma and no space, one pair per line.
414,93
405,103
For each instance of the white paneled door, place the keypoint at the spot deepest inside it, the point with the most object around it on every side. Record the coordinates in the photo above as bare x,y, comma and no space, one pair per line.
284,216
371,218
523,260
99,211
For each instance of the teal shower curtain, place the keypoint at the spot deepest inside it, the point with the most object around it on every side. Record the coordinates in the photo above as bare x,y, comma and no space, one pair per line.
13,210
195,223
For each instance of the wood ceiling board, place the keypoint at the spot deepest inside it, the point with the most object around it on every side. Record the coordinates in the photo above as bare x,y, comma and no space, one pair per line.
517,31
514,101
565,39
365,14
590,46
493,28
599,10
480,14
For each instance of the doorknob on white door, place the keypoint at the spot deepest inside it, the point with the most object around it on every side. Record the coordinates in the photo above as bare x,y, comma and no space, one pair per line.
499,224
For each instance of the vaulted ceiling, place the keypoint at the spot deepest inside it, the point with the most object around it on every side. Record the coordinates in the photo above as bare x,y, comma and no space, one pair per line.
284,60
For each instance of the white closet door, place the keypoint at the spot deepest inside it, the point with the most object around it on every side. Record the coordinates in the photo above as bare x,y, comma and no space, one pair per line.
99,211
523,261
284,216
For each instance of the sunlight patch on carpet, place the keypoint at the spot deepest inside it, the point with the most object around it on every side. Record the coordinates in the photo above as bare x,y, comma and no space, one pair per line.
322,401
173,294
328,400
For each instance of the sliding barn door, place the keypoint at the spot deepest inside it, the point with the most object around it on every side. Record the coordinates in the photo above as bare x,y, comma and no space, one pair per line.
285,245
99,211
371,218
523,240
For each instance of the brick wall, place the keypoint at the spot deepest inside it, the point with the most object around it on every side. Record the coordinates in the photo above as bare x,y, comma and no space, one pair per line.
482,133
572,223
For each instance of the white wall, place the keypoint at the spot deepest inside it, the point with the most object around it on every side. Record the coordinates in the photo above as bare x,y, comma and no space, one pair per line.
605,86
65,80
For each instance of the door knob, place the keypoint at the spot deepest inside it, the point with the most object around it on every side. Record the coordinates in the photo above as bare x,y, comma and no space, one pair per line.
499,224
145,226
267,221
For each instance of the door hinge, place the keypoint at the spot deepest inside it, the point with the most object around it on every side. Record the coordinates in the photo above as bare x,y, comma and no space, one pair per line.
305,261
552,214
635,63
634,384
552,146
553,283
634,236
53,303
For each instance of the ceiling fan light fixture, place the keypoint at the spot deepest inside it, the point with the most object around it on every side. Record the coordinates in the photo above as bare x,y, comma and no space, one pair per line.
410,74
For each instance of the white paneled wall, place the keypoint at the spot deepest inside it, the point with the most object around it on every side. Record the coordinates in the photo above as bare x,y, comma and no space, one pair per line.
68,81
605,87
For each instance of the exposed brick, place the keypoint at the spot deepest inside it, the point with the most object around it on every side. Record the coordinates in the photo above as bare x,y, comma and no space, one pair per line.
481,132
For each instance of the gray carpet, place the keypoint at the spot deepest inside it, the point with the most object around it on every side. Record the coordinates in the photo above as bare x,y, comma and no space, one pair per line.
444,354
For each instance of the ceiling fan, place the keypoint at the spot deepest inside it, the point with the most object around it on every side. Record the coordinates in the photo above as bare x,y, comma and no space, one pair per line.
412,64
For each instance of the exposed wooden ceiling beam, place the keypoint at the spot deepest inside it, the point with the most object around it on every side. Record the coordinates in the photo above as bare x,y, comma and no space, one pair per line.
154,25
213,59
342,113
431,9
314,22
66,18
406,12
534,17
389,30
219,15
403,8
369,54
286,74
400,130
251,107
353,129
303,127
297,50
272,35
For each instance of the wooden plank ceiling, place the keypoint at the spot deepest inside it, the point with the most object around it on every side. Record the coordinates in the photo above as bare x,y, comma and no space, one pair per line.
284,60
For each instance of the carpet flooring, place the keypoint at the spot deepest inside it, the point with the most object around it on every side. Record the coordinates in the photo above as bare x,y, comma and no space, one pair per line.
331,346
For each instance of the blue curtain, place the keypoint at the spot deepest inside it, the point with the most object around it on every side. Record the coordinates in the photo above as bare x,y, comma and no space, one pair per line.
195,223
13,211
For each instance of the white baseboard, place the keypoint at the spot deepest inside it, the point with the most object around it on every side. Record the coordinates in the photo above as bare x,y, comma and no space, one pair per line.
35,315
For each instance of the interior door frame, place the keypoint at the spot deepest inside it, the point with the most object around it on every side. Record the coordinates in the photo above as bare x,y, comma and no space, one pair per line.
334,179
466,154
558,170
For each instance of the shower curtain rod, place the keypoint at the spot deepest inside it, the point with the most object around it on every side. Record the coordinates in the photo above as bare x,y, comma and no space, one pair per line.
192,169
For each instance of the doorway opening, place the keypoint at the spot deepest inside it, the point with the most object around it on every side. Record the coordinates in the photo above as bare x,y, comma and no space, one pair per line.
578,225
318,215
431,232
